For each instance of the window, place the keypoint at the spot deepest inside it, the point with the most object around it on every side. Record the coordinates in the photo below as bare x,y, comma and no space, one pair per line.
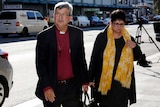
8,15
120,1
75,18
30,15
39,16
126,1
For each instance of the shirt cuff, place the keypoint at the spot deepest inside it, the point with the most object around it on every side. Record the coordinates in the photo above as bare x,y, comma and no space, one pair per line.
86,84
47,88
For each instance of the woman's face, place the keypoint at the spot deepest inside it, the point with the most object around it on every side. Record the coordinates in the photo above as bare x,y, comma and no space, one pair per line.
62,17
117,26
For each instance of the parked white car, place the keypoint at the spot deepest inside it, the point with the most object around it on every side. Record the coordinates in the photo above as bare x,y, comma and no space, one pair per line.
21,22
6,76
80,21
106,21
156,18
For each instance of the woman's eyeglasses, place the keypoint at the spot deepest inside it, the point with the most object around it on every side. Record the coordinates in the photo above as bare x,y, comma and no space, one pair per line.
118,24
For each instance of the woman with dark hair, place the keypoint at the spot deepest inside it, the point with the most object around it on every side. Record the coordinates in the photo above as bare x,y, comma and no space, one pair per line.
111,67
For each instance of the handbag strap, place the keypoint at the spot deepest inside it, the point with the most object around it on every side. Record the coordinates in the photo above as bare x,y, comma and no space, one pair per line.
92,103
86,96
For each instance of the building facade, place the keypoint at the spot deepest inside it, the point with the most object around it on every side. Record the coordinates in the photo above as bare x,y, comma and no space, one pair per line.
83,7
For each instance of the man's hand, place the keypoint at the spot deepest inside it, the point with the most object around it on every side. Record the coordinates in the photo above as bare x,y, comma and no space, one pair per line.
49,95
85,88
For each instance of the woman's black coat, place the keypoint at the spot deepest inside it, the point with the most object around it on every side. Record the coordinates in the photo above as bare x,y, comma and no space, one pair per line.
95,67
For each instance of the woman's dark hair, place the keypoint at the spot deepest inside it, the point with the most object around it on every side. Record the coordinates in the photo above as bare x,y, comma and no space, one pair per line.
118,15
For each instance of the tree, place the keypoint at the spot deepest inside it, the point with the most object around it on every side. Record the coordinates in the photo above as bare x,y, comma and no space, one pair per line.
157,6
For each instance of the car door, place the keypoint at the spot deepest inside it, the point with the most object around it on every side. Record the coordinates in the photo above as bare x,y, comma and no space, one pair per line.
31,22
75,21
41,22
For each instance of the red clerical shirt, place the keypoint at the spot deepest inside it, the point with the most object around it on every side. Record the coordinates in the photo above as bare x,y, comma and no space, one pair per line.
64,65
64,58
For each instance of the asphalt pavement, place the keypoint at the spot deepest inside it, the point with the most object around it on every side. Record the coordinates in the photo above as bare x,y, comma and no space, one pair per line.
147,85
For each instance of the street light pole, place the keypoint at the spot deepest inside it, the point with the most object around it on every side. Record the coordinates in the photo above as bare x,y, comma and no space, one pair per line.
47,8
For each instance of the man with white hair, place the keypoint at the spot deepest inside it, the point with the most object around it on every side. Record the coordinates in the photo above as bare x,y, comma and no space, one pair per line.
60,61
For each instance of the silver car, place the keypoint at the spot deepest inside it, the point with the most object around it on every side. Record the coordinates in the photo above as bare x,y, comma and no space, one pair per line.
6,75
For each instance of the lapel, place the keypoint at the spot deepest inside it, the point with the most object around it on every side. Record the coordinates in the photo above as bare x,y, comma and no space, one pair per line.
52,38
71,34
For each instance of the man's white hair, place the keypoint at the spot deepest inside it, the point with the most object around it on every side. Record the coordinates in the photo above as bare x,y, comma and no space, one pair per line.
61,5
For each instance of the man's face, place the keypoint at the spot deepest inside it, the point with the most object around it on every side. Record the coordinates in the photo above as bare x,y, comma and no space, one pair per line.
62,17
117,26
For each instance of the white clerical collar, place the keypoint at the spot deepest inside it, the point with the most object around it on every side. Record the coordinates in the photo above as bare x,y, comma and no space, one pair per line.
61,32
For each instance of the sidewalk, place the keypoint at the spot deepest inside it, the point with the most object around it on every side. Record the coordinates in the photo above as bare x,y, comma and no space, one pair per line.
147,85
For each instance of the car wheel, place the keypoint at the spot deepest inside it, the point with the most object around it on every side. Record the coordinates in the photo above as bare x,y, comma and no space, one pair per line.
25,32
4,35
2,93
44,27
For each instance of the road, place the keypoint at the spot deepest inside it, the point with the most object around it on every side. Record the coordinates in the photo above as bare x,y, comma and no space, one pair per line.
22,57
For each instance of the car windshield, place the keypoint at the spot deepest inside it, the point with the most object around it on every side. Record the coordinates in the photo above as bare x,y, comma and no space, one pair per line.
157,16
83,18
95,18
108,19
8,15
0,51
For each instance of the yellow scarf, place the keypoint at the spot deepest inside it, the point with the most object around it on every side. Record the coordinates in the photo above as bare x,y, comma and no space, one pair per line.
125,65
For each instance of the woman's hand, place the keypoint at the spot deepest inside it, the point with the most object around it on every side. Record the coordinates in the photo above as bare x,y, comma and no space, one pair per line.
130,44
91,84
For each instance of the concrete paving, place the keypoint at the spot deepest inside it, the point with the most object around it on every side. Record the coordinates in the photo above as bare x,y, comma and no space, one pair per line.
147,85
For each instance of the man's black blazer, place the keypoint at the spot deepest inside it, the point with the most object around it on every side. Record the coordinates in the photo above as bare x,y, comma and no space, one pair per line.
46,58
